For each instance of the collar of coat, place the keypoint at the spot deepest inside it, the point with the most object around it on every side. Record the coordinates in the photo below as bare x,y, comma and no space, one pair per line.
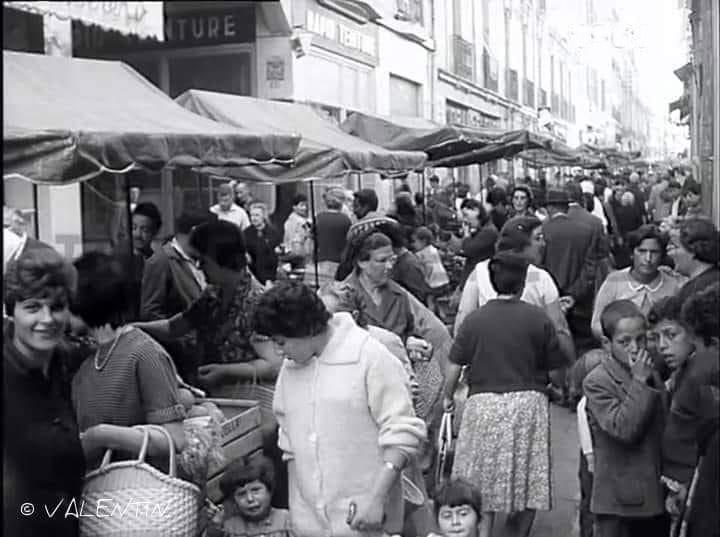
347,341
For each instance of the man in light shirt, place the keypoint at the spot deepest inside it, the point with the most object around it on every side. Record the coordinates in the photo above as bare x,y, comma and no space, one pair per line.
226,209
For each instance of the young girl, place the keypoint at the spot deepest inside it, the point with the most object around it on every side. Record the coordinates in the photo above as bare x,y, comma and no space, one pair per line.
458,509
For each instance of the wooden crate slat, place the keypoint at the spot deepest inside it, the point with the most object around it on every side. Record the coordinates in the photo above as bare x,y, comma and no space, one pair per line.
239,448
239,425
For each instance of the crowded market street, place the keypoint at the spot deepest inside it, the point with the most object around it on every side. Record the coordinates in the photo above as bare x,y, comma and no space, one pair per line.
361,268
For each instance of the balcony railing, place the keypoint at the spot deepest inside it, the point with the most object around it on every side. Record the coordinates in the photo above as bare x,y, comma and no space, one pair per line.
529,93
463,58
490,71
542,98
511,85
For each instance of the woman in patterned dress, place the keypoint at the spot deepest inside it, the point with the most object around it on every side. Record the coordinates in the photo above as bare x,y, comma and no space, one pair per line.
504,440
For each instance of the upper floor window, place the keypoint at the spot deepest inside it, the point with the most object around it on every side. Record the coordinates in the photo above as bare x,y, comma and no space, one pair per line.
409,10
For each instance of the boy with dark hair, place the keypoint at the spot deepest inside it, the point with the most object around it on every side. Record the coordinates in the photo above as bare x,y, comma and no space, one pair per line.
247,486
626,413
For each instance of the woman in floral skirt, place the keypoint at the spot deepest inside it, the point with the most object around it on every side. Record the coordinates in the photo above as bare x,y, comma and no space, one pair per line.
503,445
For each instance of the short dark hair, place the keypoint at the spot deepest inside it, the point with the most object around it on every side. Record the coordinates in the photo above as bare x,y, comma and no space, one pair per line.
700,313
222,242
372,242
367,198
419,198
393,231
188,220
242,471
299,198
692,187
458,492
523,188
39,272
423,234
700,237
615,312
103,284
666,309
497,196
515,233
475,205
151,211
290,309
508,271
574,192
646,232
434,179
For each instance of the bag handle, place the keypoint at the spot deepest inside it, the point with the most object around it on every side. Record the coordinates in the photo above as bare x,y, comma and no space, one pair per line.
171,445
141,455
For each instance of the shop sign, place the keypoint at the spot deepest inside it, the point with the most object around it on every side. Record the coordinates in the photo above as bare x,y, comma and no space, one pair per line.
236,25
327,27
139,18
458,114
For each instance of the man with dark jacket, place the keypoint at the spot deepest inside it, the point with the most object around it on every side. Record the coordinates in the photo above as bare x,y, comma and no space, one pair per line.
171,281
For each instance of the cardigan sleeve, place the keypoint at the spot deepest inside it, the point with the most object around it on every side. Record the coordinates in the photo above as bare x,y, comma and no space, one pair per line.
281,417
390,403
469,299
605,296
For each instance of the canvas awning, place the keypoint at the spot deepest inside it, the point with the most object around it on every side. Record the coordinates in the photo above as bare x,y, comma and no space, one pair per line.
325,150
445,145
560,154
67,119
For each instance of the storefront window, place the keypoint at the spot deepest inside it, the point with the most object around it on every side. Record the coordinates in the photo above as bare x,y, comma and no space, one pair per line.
225,73
404,97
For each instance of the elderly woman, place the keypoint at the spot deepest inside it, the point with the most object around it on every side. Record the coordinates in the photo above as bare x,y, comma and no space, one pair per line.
644,283
43,459
337,377
261,242
390,306
694,250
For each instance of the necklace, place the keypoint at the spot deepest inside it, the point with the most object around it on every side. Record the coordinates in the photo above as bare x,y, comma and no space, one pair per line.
98,365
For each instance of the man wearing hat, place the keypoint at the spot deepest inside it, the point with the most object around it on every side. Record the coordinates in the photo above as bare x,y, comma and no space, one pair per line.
572,249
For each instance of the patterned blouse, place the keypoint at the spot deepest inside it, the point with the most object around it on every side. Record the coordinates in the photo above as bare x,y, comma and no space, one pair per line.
224,327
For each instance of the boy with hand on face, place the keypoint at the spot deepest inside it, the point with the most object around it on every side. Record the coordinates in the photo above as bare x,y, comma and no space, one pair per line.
625,402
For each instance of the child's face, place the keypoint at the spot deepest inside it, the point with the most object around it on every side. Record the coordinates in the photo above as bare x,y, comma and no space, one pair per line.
253,501
629,339
674,343
418,244
460,521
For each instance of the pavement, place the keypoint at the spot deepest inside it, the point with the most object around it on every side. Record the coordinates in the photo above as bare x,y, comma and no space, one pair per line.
562,520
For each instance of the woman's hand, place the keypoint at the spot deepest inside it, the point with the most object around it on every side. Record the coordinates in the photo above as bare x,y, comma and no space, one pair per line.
566,303
419,348
212,375
366,513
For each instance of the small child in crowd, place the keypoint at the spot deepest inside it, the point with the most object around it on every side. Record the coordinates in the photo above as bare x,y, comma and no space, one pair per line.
458,507
247,486
587,362
435,273
625,402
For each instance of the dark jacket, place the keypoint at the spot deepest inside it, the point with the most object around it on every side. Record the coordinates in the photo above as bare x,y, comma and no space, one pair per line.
168,285
694,405
626,420
571,250
261,248
408,272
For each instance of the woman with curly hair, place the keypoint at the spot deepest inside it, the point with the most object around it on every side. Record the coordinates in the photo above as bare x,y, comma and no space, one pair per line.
694,249
43,459
644,282
336,377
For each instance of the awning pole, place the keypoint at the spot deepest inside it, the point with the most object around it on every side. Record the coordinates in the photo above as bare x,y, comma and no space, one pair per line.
314,233
425,201
128,214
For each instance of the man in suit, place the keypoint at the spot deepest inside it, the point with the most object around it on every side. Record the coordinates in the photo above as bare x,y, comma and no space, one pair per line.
171,281
571,257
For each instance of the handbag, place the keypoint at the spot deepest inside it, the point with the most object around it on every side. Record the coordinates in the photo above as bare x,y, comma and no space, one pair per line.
131,498
445,449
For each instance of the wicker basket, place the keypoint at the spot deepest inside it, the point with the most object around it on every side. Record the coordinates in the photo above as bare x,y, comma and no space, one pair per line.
132,498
